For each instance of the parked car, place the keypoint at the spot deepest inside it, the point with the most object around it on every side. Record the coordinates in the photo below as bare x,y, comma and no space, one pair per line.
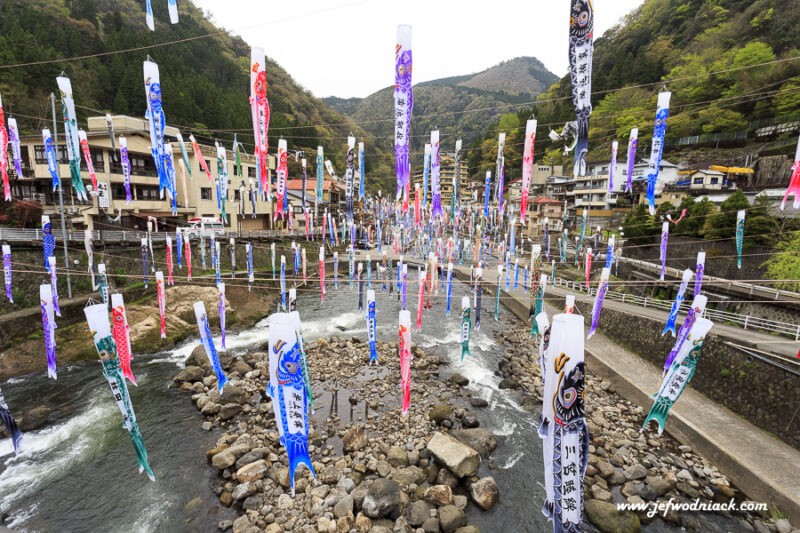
203,227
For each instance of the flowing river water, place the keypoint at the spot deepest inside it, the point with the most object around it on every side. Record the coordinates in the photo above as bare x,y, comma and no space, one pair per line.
79,472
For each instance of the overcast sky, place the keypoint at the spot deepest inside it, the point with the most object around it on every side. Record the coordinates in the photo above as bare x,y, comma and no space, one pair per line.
346,47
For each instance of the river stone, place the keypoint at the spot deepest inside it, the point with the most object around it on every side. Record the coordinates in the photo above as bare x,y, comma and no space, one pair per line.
478,402
241,524
635,471
344,507
439,495
383,498
418,512
431,525
240,366
397,456
409,475
440,413
783,526
363,524
446,477
484,493
331,475
608,520
223,459
229,410
481,440
243,490
355,438
190,374
233,394
469,420
253,471
451,518
35,418
211,409
458,457
468,529
458,379
659,485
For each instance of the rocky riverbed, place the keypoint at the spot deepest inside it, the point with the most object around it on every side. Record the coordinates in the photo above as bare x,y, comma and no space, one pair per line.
626,465
376,470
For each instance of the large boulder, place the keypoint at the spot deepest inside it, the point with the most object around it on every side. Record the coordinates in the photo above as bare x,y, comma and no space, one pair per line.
607,519
190,374
418,512
408,475
199,358
383,498
253,471
397,457
35,418
233,394
459,458
481,440
484,493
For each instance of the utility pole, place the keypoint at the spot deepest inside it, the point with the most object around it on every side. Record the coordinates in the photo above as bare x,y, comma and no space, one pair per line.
60,196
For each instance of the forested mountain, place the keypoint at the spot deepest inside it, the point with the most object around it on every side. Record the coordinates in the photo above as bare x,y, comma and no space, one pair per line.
460,106
205,79
697,49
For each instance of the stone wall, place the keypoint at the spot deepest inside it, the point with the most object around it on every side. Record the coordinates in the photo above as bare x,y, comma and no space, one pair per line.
764,394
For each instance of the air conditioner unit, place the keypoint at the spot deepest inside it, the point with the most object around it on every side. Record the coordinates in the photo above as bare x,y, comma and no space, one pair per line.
37,197
72,210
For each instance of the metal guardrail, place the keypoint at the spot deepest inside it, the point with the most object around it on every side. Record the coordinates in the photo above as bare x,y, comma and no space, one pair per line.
745,321
750,288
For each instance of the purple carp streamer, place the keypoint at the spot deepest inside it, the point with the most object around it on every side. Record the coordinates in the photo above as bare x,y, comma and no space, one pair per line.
221,309
49,327
16,145
403,105
100,329
695,311
602,288
349,177
10,423
676,305
633,143
698,273
663,248
126,168
657,151
71,136
436,185
581,49
7,272
372,328
48,240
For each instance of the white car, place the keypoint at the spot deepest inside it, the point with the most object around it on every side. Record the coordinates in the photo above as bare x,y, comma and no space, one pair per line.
203,227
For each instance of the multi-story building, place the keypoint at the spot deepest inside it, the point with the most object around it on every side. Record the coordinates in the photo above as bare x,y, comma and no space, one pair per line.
196,195
446,172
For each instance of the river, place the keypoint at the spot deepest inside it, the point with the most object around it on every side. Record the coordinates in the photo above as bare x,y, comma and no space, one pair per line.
79,472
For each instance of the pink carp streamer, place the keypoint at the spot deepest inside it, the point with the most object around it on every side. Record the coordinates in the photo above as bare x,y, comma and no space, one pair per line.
321,273
527,166
120,330
4,154
162,303
170,280
421,299
794,181
588,264
87,157
187,252
405,358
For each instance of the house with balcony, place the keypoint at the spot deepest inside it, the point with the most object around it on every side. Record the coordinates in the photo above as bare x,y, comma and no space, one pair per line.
196,193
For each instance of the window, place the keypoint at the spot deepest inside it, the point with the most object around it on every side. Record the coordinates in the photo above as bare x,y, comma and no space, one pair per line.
145,192
205,193
251,172
118,191
208,164
698,181
714,181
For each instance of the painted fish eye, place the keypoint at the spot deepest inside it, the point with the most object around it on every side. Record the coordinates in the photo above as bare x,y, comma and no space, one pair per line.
570,395
583,18
291,367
